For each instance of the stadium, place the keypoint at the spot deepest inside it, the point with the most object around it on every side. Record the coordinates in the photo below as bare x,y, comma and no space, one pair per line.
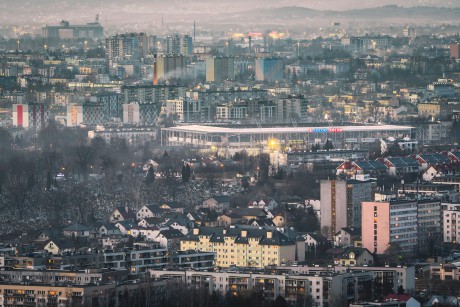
347,137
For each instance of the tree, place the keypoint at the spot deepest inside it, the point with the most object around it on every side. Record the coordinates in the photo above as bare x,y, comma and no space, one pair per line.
150,178
263,167
328,145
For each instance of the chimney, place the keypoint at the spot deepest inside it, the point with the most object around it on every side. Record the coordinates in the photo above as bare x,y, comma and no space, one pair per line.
126,208
196,231
244,233
269,234
224,231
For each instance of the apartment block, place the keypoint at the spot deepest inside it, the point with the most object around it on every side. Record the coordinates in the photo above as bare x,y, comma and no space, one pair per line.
341,203
387,224
249,247
450,222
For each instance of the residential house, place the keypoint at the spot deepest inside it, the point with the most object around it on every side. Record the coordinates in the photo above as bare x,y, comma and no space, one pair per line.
169,238
122,214
220,203
125,226
181,223
430,173
228,219
107,229
262,223
279,220
399,166
58,246
150,222
76,230
354,256
147,234
111,241
425,160
347,236
314,239
251,213
150,211
172,206
443,300
263,203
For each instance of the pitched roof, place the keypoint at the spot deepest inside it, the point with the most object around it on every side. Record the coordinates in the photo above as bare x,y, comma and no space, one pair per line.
358,251
403,161
130,214
222,198
217,234
171,233
317,237
76,227
435,158
370,165
354,231
258,212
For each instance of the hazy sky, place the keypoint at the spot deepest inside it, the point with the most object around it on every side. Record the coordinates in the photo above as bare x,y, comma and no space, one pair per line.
114,12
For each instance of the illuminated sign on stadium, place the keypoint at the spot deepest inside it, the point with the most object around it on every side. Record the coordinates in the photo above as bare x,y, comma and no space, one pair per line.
325,130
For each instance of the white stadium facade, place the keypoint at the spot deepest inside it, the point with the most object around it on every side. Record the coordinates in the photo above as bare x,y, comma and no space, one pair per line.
201,136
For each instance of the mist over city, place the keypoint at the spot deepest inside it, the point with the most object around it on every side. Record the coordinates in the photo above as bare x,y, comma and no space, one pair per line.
229,153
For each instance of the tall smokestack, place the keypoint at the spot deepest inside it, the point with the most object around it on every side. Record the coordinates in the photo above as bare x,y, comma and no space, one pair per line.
194,31
155,73
250,45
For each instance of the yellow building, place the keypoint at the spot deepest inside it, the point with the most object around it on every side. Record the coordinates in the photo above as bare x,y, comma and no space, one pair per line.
429,109
252,247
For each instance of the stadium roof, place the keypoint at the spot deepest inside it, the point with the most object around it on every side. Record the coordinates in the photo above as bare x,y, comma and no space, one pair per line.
332,129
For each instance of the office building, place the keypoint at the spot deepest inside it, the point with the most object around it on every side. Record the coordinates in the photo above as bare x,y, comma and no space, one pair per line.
269,69
390,225
219,69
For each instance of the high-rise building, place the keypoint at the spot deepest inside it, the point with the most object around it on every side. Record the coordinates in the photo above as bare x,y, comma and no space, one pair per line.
269,69
30,116
127,47
390,226
219,69
455,51
170,67
291,108
429,216
131,113
179,45
74,115
341,203
450,222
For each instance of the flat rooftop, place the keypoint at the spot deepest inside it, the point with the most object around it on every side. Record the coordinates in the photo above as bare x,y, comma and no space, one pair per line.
275,130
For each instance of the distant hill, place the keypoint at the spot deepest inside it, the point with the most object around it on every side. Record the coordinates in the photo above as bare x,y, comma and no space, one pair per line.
378,14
